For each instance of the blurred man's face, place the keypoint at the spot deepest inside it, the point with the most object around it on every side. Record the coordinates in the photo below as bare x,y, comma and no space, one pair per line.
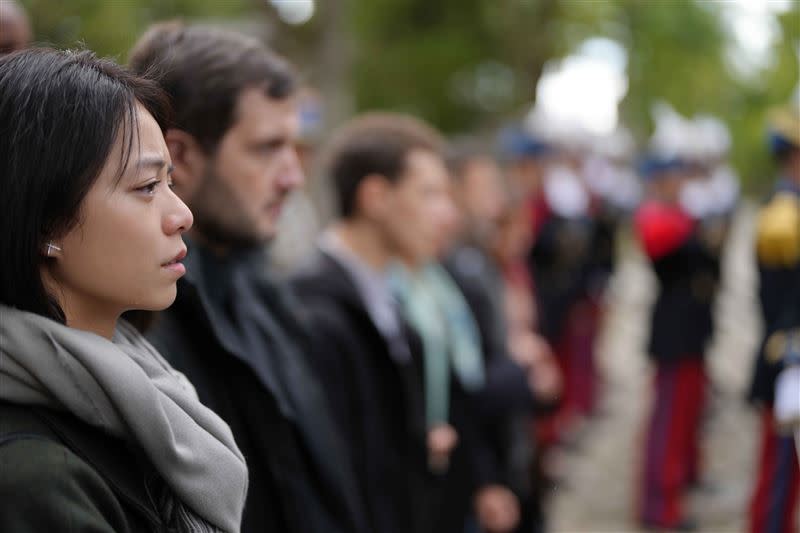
482,194
667,187
420,210
254,168
526,174
15,30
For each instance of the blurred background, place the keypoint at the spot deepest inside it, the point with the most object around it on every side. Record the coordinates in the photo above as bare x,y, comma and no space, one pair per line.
471,67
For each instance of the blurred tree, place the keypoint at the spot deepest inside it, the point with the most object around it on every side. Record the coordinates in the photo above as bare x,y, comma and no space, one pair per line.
110,27
466,64
754,98
470,64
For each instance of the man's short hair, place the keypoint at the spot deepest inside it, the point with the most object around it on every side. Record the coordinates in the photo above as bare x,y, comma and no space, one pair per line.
374,143
462,152
204,70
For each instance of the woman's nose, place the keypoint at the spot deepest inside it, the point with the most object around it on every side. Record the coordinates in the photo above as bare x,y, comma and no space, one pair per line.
178,218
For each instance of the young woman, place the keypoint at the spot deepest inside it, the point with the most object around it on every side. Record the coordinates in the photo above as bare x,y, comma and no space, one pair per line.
98,433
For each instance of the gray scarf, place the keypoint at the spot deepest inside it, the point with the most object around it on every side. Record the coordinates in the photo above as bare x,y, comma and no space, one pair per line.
127,389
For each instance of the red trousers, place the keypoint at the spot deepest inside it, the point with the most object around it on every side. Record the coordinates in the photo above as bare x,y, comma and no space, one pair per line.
773,507
672,456
575,355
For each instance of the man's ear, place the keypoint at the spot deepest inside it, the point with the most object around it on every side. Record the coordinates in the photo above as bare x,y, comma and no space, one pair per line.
372,196
189,160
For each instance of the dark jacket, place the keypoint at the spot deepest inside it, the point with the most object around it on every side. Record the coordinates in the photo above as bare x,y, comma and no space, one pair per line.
480,281
559,262
779,295
506,401
682,319
57,473
235,335
380,405
375,398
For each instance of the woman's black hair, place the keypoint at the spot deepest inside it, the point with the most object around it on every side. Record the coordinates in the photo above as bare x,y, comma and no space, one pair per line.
60,115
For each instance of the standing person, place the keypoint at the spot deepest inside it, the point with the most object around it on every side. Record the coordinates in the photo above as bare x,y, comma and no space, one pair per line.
300,222
686,262
774,504
564,233
487,262
363,351
455,378
98,432
233,330
15,28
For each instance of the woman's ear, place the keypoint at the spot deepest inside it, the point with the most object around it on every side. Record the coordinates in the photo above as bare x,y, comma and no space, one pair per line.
51,249
189,162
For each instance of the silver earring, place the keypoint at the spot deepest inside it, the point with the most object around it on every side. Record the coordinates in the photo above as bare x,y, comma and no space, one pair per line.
51,247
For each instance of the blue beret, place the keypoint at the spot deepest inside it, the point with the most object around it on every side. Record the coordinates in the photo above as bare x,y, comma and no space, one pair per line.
517,143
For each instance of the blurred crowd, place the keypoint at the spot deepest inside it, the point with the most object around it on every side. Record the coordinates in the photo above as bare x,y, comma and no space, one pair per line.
395,331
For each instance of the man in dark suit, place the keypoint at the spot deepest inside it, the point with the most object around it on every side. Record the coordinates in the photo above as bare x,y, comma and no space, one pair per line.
392,186
232,329
363,351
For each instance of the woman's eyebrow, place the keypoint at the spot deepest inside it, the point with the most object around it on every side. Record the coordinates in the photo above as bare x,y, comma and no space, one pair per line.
155,162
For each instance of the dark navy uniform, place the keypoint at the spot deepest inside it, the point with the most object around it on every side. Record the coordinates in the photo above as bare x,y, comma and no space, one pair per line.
685,259
568,280
774,504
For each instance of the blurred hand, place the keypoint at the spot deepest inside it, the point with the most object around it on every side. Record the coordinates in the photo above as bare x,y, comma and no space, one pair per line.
442,439
497,509
526,348
545,380
533,353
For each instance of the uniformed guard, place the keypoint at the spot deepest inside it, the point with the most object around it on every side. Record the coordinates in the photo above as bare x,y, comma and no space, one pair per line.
569,261
775,389
685,260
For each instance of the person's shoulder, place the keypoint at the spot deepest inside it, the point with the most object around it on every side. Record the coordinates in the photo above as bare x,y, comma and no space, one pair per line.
38,462
43,484
467,261
318,269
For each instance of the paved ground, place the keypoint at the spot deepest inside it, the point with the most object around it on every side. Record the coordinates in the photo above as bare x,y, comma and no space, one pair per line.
599,490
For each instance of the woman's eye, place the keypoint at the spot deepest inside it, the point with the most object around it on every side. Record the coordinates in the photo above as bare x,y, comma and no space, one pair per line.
170,183
150,188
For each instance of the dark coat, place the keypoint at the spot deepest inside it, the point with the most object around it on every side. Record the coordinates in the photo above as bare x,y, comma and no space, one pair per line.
380,406
480,281
682,320
506,401
376,399
57,473
559,262
301,480
779,295
570,259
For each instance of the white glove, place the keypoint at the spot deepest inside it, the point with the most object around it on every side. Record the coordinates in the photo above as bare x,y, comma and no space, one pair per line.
787,399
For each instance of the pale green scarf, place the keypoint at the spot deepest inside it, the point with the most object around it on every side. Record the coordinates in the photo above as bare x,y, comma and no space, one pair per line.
433,305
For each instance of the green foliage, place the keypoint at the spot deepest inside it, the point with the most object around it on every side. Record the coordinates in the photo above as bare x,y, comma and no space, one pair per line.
110,27
415,55
472,64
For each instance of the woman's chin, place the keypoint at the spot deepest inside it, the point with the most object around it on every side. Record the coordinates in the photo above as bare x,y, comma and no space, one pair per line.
160,301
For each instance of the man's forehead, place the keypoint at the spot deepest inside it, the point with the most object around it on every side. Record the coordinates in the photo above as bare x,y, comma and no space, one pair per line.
257,99
257,110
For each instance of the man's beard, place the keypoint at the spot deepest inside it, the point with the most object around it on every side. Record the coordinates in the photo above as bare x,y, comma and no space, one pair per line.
219,218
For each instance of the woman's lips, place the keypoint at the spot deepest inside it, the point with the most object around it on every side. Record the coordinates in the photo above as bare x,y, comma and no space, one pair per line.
175,265
176,268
